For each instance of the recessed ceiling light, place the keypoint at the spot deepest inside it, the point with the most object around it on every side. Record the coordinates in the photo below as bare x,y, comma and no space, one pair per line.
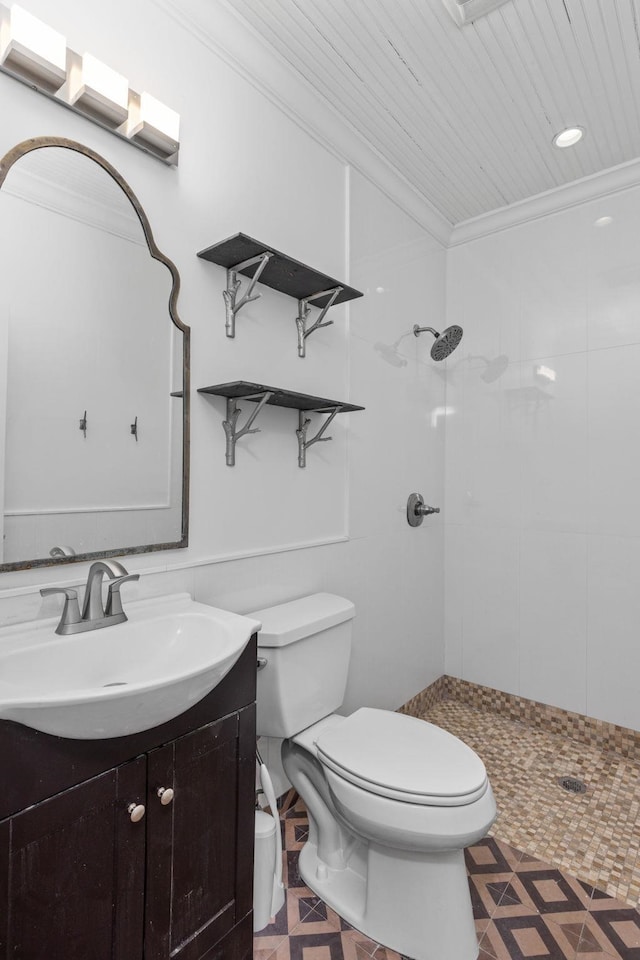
568,137
603,221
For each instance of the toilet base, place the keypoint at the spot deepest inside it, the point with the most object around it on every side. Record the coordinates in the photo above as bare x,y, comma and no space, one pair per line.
418,905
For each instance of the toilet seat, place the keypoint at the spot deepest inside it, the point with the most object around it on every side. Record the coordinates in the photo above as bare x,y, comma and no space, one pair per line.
402,758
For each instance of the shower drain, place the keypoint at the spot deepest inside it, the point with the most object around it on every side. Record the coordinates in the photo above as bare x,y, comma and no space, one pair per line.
572,784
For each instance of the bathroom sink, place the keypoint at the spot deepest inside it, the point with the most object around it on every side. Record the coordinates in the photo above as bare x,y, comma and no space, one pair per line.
123,678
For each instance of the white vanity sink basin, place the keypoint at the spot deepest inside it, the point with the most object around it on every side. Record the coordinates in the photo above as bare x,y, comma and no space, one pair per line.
119,679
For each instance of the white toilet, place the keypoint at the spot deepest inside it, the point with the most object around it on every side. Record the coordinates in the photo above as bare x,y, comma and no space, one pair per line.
392,800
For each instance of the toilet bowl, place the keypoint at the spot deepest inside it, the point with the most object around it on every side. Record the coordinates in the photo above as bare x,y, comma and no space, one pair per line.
369,761
392,800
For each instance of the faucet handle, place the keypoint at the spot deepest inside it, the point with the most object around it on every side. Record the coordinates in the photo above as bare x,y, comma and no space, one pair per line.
70,611
114,600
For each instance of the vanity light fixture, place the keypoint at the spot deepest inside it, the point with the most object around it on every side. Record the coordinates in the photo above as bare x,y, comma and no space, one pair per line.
568,137
152,124
97,90
34,53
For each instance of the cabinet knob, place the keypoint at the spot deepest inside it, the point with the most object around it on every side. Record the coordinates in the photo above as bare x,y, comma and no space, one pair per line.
136,812
165,794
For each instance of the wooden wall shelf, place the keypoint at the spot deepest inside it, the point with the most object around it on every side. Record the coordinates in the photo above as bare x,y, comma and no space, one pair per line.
260,262
261,394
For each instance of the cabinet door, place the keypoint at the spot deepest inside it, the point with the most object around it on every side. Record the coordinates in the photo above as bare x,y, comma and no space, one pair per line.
200,846
72,873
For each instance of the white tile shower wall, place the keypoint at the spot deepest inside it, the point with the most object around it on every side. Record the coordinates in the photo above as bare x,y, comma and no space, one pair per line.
394,570
245,165
542,536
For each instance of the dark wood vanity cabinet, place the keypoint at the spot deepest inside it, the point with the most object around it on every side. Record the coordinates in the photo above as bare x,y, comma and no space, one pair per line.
81,880
194,843
73,872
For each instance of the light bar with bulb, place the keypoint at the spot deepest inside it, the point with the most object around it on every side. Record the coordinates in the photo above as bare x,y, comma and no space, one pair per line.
30,50
96,89
34,53
152,124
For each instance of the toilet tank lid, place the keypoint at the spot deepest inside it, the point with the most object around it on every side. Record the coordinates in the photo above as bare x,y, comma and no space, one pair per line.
301,618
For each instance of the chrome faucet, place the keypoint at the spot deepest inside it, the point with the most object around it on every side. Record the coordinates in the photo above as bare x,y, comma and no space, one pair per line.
94,614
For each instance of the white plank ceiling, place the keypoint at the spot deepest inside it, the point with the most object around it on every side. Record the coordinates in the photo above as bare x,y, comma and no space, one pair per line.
467,114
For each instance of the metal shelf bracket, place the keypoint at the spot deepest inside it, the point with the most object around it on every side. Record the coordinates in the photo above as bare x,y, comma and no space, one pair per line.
260,393
232,306
303,315
301,432
230,424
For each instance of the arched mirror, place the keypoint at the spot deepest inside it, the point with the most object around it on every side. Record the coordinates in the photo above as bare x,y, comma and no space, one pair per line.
94,365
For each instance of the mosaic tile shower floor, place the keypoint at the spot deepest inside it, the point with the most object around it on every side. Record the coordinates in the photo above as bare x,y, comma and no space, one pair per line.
525,909
594,836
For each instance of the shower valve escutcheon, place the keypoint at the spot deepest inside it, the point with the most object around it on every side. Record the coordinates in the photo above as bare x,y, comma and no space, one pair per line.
417,509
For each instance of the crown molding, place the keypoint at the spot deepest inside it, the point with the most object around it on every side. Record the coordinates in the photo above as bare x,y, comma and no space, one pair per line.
222,30
625,176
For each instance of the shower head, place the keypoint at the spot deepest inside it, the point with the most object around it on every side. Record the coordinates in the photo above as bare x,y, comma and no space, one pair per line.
445,342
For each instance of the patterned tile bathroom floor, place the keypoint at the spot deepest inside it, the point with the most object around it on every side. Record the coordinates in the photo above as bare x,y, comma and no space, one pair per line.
594,836
524,908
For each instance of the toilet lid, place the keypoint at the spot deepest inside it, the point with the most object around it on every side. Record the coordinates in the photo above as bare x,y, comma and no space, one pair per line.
403,758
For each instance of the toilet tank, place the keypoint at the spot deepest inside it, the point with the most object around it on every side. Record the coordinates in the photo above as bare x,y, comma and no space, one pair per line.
306,644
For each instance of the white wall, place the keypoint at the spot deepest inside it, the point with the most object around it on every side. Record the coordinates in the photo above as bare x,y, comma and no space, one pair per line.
340,524
542,476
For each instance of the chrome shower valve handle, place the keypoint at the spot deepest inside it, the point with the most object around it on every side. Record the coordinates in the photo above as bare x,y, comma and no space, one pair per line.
417,509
